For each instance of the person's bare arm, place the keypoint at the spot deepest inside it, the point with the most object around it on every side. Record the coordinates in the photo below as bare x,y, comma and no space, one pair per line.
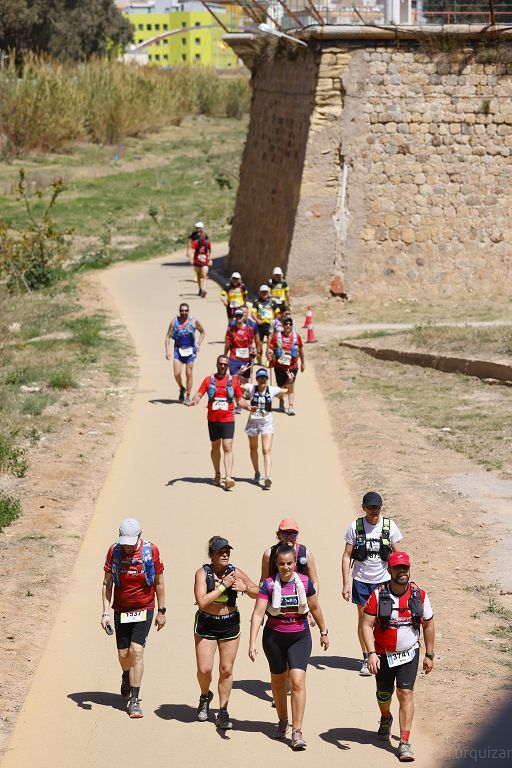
369,641
256,620
204,598
265,565
312,573
168,340
429,636
106,597
345,570
314,607
243,583
160,618
202,334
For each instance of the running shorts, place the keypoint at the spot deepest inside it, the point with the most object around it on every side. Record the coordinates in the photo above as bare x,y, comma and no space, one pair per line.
235,365
135,632
361,591
404,674
221,430
185,360
257,427
286,650
282,379
263,331
211,627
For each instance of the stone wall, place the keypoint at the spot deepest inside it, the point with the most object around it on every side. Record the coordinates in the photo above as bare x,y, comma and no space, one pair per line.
391,167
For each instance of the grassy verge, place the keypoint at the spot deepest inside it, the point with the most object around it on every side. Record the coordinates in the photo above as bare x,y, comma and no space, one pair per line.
473,342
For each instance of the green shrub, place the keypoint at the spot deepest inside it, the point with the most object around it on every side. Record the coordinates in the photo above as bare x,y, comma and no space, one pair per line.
10,509
34,405
62,380
87,330
13,459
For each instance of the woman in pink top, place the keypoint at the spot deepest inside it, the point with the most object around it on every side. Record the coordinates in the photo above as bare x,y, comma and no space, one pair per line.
287,597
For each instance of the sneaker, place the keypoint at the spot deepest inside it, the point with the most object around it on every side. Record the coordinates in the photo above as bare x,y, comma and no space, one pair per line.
134,709
364,671
281,406
222,720
405,753
281,730
181,398
385,724
204,706
125,686
268,483
257,477
186,400
229,483
216,480
291,412
298,739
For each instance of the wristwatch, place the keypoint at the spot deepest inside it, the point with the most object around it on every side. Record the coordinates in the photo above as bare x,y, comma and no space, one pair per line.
430,656
324,632
162,610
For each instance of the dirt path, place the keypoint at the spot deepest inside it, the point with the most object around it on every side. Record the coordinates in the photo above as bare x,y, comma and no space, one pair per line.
73,715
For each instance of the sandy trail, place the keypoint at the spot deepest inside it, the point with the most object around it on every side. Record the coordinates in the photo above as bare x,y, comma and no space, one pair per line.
73,714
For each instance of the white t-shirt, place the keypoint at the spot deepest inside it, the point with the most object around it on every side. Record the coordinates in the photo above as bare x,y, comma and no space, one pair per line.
373,570
261,416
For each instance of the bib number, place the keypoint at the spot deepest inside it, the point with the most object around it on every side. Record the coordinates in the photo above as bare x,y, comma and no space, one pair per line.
220,405
130,617
234,303
185,351
285,360
397,658
242,353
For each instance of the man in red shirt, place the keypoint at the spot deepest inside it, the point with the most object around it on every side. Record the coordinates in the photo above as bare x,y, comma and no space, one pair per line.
393,616
240,346
223,390
134,569
285,348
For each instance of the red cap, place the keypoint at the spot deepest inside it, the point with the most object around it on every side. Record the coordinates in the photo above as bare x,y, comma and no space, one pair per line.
288,525
399,558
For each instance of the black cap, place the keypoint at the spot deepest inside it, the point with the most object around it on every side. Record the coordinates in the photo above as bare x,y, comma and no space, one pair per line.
220,544
372,499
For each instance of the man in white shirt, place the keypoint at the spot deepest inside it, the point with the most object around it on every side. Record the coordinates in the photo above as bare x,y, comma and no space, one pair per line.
369,542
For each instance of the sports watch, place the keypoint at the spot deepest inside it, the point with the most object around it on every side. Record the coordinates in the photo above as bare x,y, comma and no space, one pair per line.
162,610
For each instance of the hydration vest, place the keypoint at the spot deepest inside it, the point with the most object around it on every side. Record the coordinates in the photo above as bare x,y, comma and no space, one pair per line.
256,398
386,606
213,388
301,609
230,593
183,329
294,352
302,560
360,550
147,563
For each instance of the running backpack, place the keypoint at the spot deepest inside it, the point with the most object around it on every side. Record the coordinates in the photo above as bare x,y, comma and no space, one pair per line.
294,352
385,610
255,399
213,388
178,328
210,583
147,563
360,550
302,560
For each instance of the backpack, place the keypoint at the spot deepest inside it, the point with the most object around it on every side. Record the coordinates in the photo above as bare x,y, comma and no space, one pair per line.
213,388
147,563
386,606
210,583
302,560
255,399
360,552
176,330
278,351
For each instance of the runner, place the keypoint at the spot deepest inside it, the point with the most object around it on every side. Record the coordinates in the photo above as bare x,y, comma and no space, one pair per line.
260,422
262,313
288,533
194,235
287,597
182,330
234,294
217,625
222,391
284,350
240,346
201,259
369,542
134,571
279,290
393,617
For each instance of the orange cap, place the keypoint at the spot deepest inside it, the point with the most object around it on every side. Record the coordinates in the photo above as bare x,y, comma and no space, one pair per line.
288,525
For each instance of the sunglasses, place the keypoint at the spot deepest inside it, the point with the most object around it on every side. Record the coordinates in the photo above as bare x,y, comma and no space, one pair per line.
289,533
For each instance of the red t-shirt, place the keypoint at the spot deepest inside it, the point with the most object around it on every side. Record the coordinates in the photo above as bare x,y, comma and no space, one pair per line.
133,593
400,634
219,409
240,339
202,250
287,343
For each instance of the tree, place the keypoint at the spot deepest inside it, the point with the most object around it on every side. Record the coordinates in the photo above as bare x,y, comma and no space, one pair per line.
439,9
66,29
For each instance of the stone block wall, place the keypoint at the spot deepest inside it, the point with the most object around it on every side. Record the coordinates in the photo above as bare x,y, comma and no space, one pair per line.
400,174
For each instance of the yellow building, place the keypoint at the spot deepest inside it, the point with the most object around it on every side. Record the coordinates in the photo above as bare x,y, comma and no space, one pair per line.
195,37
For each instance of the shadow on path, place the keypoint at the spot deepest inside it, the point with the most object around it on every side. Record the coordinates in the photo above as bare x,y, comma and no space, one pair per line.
341,738
183,713
194,480
85,700
335,662
256,688
164,401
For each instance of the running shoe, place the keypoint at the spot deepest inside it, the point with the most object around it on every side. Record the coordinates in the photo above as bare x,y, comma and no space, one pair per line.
216,479
222,720
125,686
186,400
204,706
268,483
229,483
281,730
281,406
298,739
385,724
405,753
364,671
257,477
134,709
291,412
182,394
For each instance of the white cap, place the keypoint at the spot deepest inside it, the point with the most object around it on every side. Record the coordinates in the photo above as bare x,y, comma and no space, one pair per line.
264,288
237,274
129,531
277,270
199,224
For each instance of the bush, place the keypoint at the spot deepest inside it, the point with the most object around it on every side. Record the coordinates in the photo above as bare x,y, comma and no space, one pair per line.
10,509
12,458
62,380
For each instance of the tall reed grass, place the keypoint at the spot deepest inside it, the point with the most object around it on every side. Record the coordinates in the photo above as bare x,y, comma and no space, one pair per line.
102,101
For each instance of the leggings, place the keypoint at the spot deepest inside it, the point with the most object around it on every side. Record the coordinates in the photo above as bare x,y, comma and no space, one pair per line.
286,650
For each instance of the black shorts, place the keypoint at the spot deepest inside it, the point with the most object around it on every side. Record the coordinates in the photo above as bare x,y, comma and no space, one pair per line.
135,632
263,331
213,627
404,674
287,650
221,430
282,379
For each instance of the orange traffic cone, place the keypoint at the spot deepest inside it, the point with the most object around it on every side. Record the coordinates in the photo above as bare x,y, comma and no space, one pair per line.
309,318
311,339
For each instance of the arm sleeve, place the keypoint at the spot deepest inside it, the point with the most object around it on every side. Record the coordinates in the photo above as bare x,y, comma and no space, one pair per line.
108,560
204,386
371,605
350,535
394,534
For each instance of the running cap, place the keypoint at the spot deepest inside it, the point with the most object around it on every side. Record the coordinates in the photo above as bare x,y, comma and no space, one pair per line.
264,288
277,271
236,274
262,372
220,544
199,225
288,524
372,499
399,558
239,313
129,531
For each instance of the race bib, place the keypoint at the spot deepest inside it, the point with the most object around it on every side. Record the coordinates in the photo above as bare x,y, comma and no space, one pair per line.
285,360
234,303
242,353
186,351
130,617
266,314
220,405
396,658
